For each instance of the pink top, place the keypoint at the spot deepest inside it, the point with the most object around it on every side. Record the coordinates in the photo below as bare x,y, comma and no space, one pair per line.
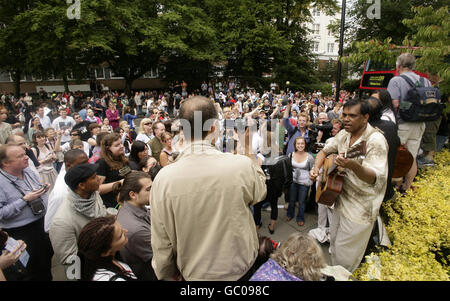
113,118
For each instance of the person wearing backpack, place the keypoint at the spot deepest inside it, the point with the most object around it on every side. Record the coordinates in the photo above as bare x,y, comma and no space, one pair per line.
267,156
411,125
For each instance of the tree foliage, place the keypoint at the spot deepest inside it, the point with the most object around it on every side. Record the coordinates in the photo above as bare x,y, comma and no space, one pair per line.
251,38
428,39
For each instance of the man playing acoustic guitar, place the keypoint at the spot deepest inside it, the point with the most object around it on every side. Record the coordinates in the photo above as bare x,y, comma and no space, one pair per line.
363,188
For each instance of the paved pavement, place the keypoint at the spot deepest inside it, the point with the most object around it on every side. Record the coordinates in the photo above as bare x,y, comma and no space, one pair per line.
283,228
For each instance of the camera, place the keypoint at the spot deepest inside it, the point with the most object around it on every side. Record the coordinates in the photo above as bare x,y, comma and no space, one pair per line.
44,186
313,128
37,206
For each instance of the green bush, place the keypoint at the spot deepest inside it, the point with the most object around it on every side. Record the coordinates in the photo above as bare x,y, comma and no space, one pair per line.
350,85
418,226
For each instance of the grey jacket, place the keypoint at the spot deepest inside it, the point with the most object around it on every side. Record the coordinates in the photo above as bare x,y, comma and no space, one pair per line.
68,222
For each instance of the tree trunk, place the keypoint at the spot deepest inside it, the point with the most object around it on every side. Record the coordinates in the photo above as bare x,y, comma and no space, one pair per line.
16,78
66,82
128,86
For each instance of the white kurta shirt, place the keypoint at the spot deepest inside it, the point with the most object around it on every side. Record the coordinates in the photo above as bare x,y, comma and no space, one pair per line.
360,201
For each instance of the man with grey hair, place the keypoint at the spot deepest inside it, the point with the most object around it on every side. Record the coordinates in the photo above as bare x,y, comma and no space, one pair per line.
23,203
410,133
19,140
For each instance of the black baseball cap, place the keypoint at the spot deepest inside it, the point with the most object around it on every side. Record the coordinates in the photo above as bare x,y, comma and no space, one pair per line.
78,174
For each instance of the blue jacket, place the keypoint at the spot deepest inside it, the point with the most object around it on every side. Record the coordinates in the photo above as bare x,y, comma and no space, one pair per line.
293,133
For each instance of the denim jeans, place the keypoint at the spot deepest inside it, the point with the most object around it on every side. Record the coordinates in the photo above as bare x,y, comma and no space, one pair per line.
440,142
298,192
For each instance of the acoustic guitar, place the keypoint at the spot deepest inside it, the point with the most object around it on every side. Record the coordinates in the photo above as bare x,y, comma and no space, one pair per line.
331,179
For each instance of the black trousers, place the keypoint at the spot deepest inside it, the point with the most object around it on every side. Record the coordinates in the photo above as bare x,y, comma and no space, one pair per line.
40,249
271,197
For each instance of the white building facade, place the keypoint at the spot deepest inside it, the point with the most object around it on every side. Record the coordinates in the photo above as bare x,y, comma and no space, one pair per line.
323,42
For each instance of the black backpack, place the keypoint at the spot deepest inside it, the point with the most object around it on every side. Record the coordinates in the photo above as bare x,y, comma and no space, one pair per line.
279,172
421,103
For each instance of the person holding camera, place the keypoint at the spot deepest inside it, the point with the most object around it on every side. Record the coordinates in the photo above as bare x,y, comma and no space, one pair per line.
301,130
23,203
322,129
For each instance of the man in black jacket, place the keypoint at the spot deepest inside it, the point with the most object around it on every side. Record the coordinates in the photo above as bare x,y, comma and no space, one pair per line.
389,130
324,126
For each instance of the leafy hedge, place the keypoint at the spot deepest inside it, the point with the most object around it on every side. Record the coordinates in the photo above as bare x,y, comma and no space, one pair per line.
419,228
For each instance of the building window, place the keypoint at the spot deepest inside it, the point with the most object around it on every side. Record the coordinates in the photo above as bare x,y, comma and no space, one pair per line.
5,76
153,73
115,76
99,73
330,47
316,12
315,47
316,29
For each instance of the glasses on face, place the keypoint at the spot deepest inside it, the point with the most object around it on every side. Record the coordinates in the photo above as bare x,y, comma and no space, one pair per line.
148,123
74,134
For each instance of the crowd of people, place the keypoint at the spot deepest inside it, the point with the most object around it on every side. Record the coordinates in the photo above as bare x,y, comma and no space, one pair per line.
169,200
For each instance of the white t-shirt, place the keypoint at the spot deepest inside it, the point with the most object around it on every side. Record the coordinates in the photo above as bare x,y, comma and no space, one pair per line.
64,125
66,147
55,199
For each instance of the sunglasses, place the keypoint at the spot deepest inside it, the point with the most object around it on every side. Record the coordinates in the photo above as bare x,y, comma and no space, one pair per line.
148,123
74,135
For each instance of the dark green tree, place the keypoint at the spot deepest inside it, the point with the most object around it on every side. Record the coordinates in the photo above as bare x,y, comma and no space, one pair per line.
189,42
60,45
13,34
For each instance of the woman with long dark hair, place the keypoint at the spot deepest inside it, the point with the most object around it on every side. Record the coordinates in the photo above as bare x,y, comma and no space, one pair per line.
46,157
35,127
98,243
388,110
113,167
139,150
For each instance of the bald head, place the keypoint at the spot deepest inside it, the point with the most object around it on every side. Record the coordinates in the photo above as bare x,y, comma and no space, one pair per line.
198,113
74,157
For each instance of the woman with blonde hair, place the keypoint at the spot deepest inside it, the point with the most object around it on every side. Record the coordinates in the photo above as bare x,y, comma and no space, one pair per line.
127,140
145,133
299,258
